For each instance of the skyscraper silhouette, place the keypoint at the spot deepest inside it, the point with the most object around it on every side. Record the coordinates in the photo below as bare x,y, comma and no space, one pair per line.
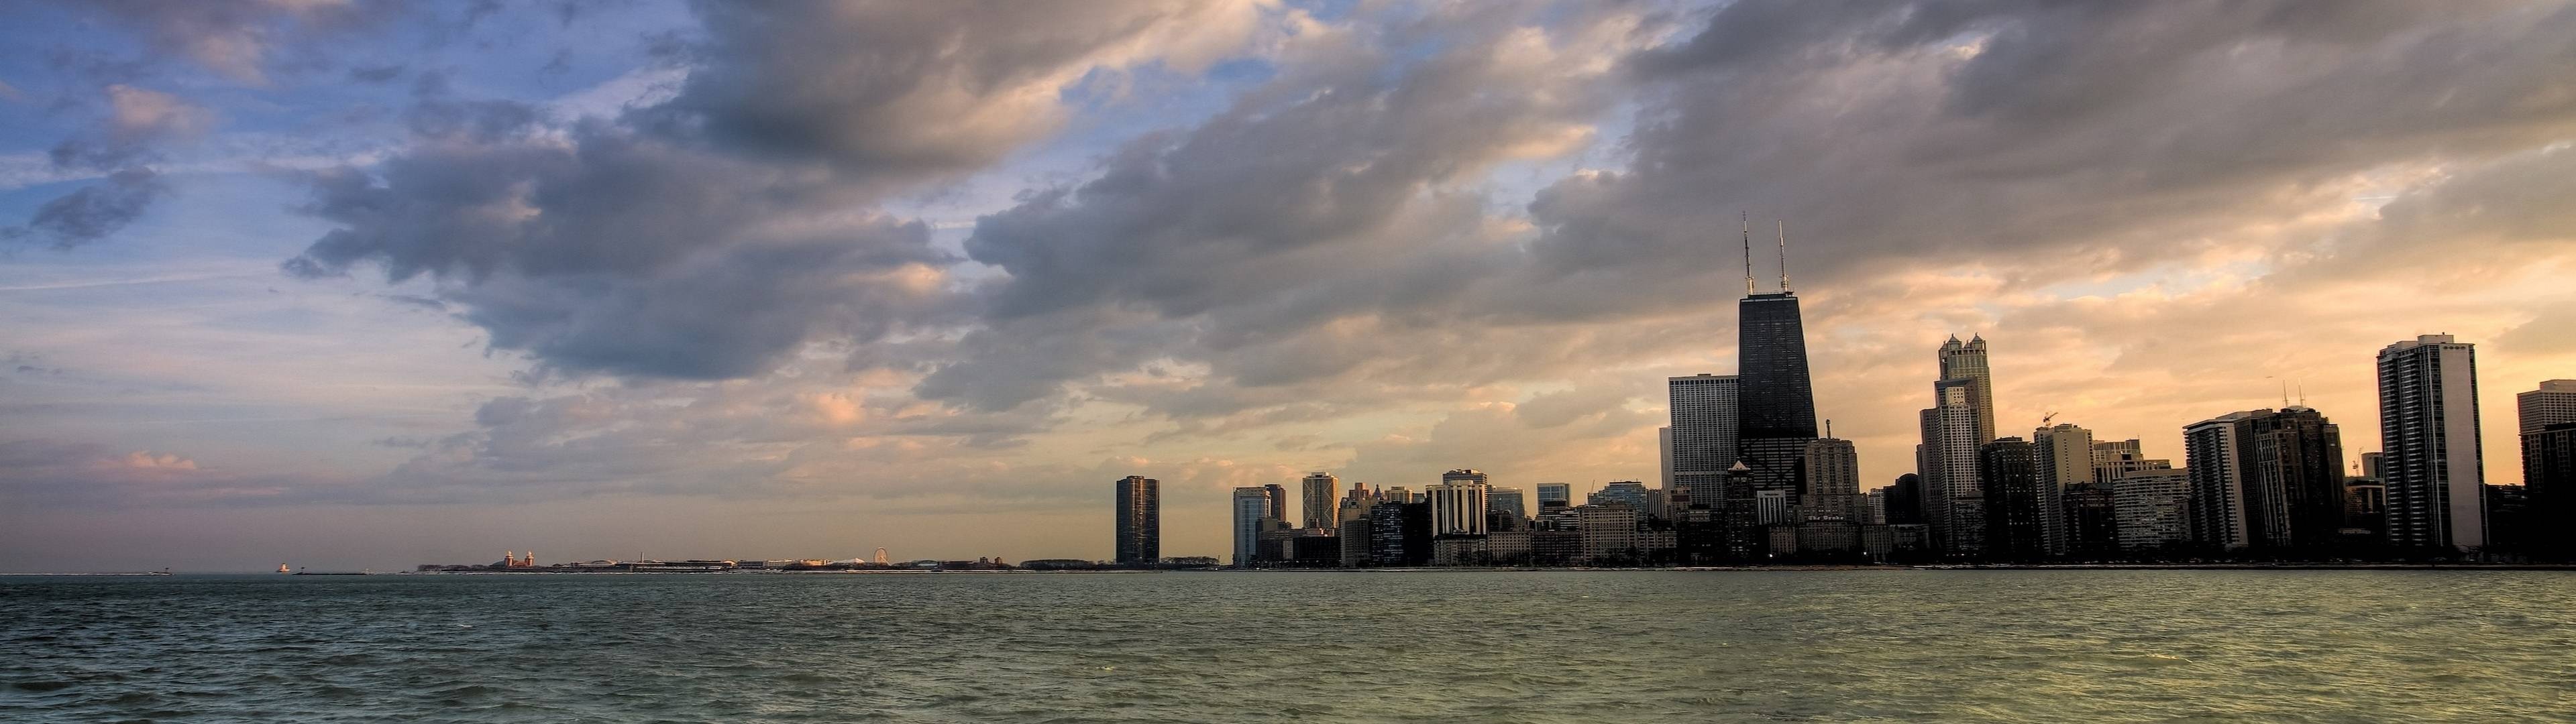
1140,520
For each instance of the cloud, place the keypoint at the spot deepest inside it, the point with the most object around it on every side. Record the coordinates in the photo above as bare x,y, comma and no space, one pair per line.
1332,194
718,230
91,212
238,39
906,90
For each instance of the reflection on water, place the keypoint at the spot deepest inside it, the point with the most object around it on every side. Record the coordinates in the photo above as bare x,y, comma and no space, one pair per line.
1456,646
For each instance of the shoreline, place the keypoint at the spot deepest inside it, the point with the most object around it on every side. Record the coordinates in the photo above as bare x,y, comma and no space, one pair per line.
2571,567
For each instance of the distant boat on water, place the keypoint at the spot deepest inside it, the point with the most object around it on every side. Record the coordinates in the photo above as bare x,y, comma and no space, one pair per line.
281,568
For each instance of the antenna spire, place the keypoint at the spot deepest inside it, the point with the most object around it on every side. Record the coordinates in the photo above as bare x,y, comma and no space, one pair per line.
2285,393
1748,252
1784,256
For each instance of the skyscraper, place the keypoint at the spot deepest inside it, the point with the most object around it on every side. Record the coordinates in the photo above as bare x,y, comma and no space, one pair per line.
1280,503
1140,520
1458,504
2063,457
1951,439
2212,451
1905,499
1703,431
1968,362
2553,403
2548,424
2428,429
1833,481
1323,501
1775,402
2009,477
2296,460
2549,465
1251,506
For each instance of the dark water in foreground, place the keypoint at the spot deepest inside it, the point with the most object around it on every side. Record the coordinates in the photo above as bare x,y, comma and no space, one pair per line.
1317,647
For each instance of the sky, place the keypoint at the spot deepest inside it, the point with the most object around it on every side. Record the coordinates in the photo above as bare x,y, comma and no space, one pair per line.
346,284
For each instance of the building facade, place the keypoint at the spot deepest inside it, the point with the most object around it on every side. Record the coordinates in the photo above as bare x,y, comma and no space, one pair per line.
1323,498
1458,504
2212,452
2432,470
2153,507
2063,456
1251,507
1140,520
1701,444
2009,476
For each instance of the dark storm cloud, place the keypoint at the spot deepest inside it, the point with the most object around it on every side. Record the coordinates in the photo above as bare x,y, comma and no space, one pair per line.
910,89
1891,134
1318,195
710,235
91,212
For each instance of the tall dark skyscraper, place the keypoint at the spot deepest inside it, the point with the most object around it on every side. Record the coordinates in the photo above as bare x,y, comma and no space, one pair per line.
1140,520
2009,476
1773,396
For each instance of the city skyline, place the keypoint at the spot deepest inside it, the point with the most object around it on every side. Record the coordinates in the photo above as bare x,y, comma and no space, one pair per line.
358,289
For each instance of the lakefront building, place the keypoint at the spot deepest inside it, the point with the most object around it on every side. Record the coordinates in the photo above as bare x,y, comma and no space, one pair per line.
1251,507
1702,434
1140,520
2431,471
1322,501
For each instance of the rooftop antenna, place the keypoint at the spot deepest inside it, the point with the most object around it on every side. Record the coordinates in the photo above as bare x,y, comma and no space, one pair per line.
2303,395
1784,256
1748,252
2285,393
1829,427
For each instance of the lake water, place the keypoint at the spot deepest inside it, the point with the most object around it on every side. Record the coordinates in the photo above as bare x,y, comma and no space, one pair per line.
1650,646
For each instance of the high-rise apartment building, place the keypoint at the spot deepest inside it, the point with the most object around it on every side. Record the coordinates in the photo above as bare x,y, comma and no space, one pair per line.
1323,501
2549,477
1833,481
2295,459
1905,500
1949,453
2213,452
2153,507
1251,506
2553,403
2063,456
2545,466
1140,520
1703,433
2009,476
2433,473
1458,504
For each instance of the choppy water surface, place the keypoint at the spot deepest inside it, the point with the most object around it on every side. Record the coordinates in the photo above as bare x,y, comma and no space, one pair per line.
1319,647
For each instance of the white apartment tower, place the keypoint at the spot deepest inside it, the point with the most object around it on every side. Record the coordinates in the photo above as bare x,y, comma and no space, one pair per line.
1703,434
2428,429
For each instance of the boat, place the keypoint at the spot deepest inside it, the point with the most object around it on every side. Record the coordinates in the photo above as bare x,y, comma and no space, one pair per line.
281,568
